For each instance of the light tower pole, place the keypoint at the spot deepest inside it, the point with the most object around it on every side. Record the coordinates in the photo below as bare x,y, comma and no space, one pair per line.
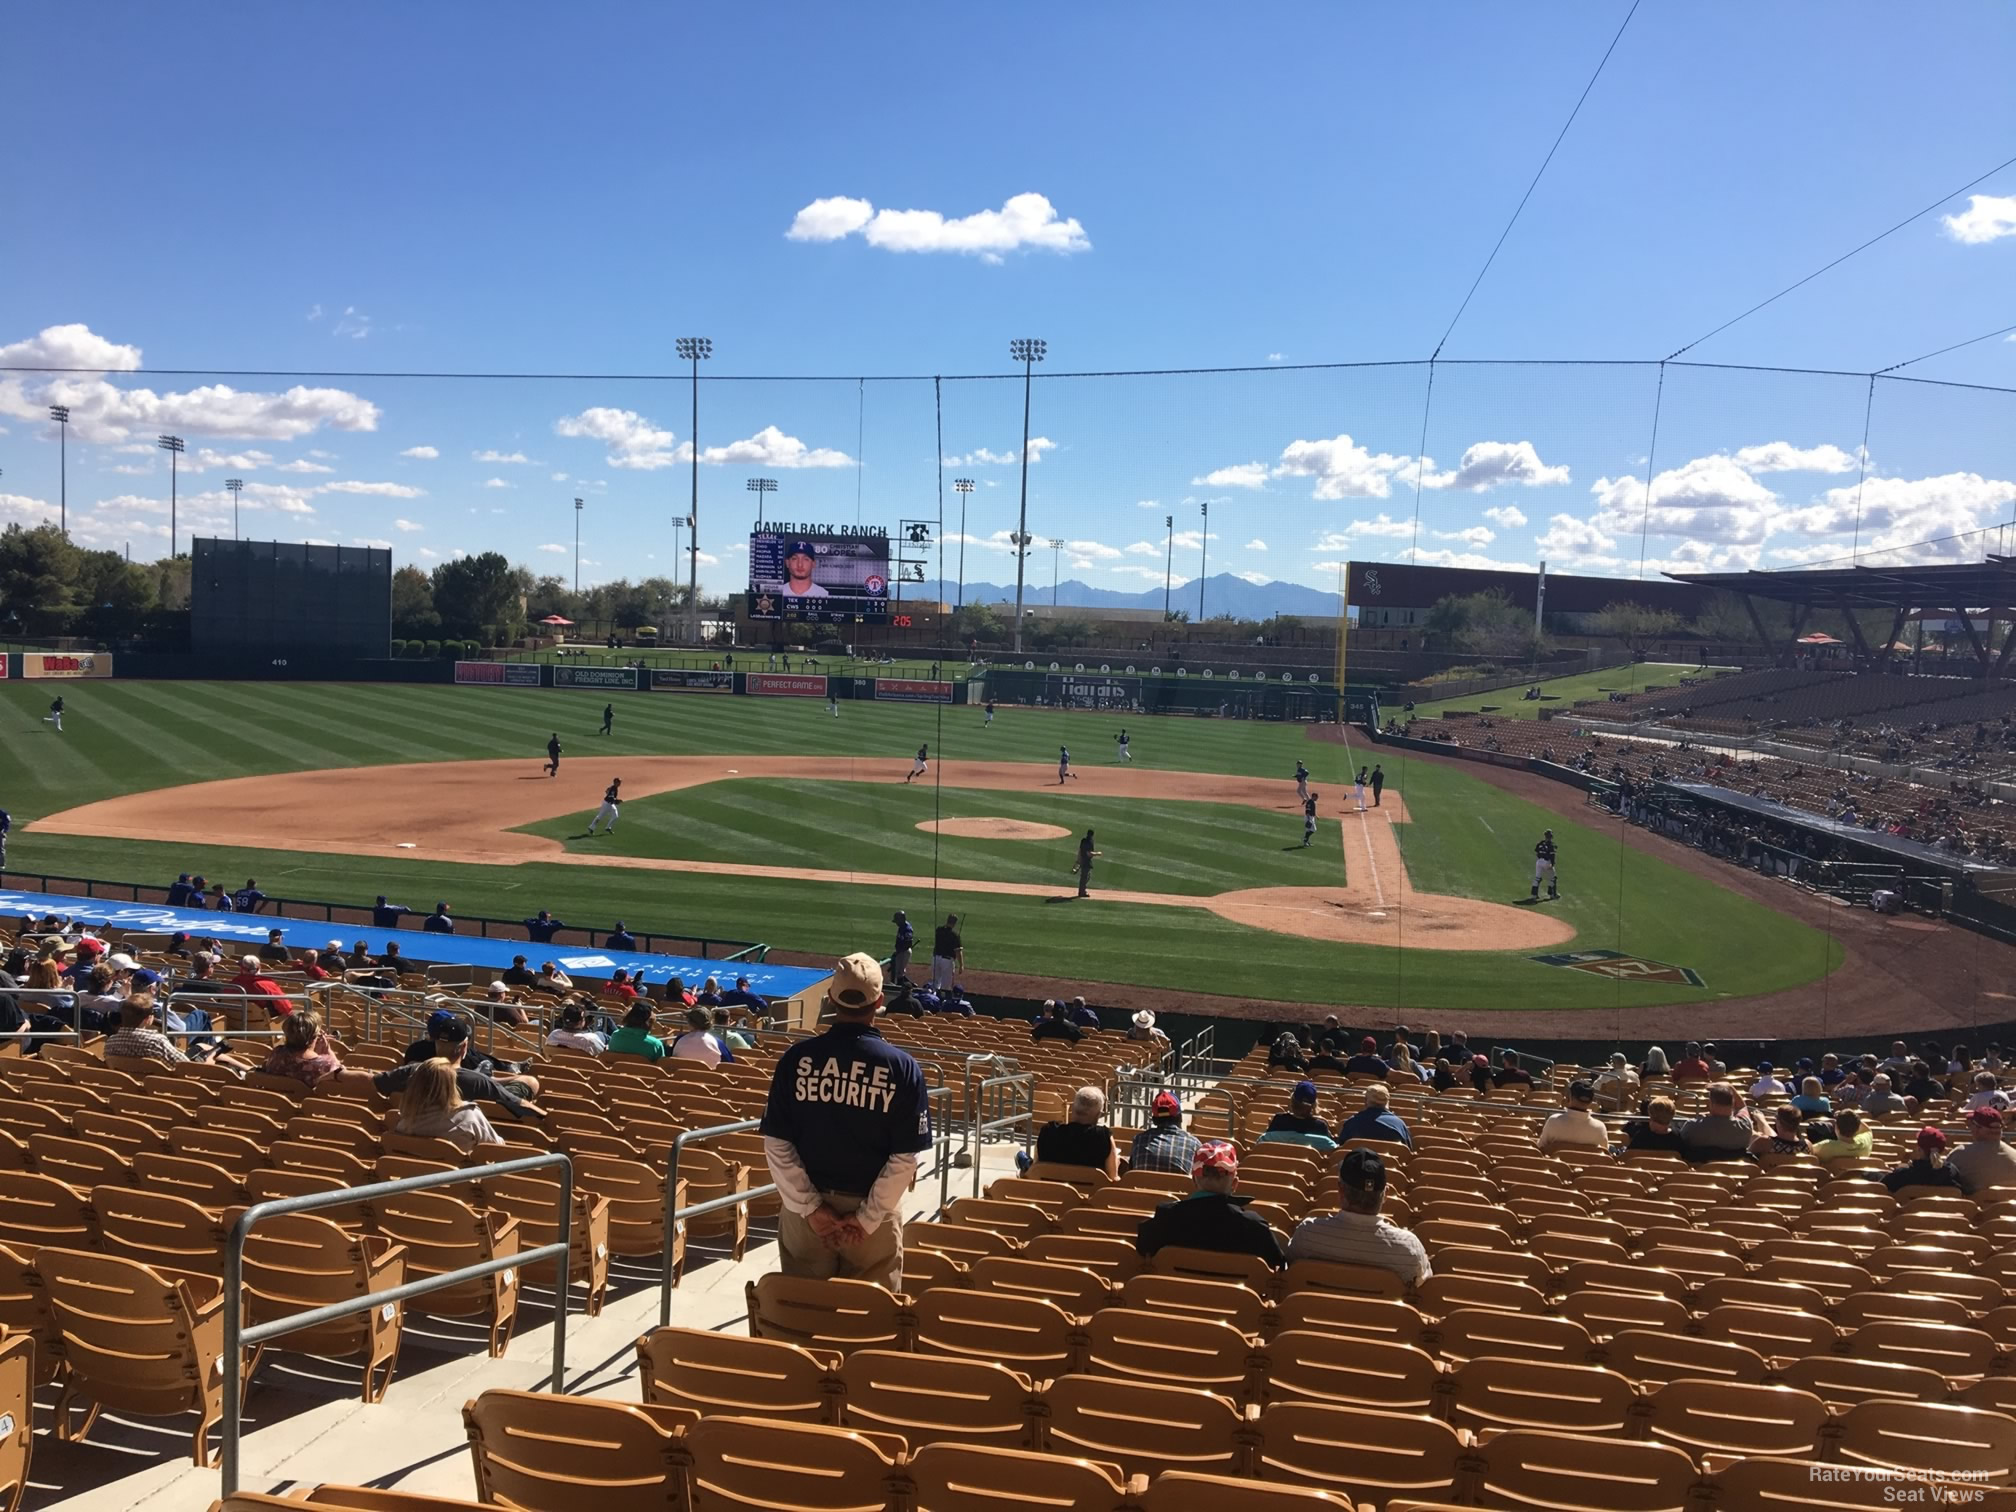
760,487
1056,551
1203,556
237,487
577,550
696,350
60,413
1168,564
1028,351
962,487
173,446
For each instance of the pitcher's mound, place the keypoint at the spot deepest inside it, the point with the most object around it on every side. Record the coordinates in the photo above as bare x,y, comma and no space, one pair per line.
995,829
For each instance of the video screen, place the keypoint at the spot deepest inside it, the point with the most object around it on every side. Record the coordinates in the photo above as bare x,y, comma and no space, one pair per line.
823,574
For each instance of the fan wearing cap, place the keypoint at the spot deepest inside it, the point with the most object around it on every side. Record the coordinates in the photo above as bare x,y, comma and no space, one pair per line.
1211,1217
1575,1127
275,951
1368,1061
1165,1145
1767,1085
251,979
1300,1125
846,1119
1929,1169
1986,1162
799,558
448,1039
1357,1233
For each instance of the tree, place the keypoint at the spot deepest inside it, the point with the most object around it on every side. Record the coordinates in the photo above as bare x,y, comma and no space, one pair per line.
1634,623
976,622
473,594
1487,623
413,611
38,579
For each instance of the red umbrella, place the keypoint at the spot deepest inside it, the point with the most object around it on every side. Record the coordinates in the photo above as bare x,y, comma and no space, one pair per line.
555,619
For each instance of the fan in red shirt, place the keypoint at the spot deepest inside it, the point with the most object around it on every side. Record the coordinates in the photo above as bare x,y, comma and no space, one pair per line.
1694,1066
255,982
619,985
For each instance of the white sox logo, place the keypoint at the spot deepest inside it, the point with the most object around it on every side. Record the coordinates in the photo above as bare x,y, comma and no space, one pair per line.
1372,582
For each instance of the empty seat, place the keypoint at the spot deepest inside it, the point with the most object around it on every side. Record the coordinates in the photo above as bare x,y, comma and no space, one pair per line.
1470,1333
1315,1365
533,1198
1958,1354
159,1229
1071,1287
715,1374
1211,1265
1153,1346
1530,1468
1728,1421
932,1399
1931,1438
1143,1428
1789,1485
1495,1393
1652,1358
1229,1301
39,1209
748,1463
1029,1334
966,1478
1842,1382
442,1233
295,1262
546,1453
17,1417
1361,1454
837,1314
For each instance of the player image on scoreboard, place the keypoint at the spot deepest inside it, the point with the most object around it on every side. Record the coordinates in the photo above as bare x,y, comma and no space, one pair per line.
819,573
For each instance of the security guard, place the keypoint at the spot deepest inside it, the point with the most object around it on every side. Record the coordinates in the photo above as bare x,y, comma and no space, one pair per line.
846,1120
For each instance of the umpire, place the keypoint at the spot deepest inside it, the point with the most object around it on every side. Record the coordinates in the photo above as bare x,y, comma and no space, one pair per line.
846,1120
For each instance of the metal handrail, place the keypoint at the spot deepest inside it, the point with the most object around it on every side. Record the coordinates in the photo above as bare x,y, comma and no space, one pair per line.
981,1128
941,1142
674,1214
237,1336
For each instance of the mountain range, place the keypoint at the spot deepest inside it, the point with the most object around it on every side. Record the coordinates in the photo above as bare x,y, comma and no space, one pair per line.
1223,594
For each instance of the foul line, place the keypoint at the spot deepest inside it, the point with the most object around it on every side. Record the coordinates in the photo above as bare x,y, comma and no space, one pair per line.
1365,829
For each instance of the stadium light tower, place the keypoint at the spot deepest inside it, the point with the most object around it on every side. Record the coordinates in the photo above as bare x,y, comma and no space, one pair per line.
696,350
173,446
1028,351
962,487
1168,564
60,413
1203,556
237,487
577,549
1056,550
760,487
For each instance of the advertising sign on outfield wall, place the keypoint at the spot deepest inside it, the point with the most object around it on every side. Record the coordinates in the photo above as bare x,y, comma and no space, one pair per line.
783,685
66,664
501,674
683,680
1091,691
913,690
596,677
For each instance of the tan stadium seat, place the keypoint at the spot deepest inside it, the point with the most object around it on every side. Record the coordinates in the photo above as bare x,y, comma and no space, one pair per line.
749,1465
713,1374
546,1453
134,1340
170,1233
1071,1287
1113,1259
1372,1318
233,1152
533,1198
201,1182
39,1209
1311,1365
1781,1296
1187,1491
24,1309
926,1268
1144,1428
930,1399
1153,1346
1495,1393
1775,1335
962,1241
838,1314
17,1416
1083,1178
1227,1301
1602,1275
1471,1333
965,1478
1931,1438
442,1233
1447,1291
636,1194
1886,1306
1653,1357
1362,1455
344,1498
1721,1421
277,1184
1540,1470
1605,1314
1210,1265
1102,1223
1788,1485
330,1160
1961,1355
1036,1337
295,1262
708,1174
1342,1280
1053,1197
1843,1382
1514,1265
1022,1221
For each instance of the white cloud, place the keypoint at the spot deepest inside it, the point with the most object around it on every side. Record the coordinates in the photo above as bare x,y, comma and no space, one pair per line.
1381,524
1152,574
371,541
557,477
203,459
101,411
1025,222
20,509
353,323
1190,540
131,470
427,552
406,525
706,559
1273,356
1488,464
495,483
1258,579
320,455
556,550
293,506
380,490
303,465
1342,468
315,312
770,447
984,457
1256,544
1147,548
632,440
1475,535
1147,504
1712,497
1094,550
1238,475
1508,515
1469,559
136,503
1987,218
1783,456
504,457
1569,538
422,453
1897,512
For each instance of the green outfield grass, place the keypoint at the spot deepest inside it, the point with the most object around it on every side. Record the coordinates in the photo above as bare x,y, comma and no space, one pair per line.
1467,837
1565,692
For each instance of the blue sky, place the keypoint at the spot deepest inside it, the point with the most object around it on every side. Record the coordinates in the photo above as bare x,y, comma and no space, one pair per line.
508,187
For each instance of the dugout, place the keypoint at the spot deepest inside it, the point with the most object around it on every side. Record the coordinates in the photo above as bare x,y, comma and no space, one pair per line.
283,597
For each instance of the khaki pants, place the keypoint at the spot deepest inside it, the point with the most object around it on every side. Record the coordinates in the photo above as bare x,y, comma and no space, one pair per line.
878,1258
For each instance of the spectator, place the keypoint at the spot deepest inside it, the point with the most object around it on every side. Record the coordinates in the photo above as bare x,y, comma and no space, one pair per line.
310,966
1898,1059
730,1035
1576,1126
905,1003
1286,1053
1879,1101
1367,1062
1656,1064
1617,1085
675,991
448,1039
1404,1062
1693,1065
1766,1084
1830,1070
1333,1038
542,926
618,986
305,1054
1165,1145
1376,1120
1084,1139
1720,1133
359,958
255,983
740,993
1300,1125
1987,1093
1510,1073
841,1161
96,998
1921,1086
953,1000
1811,1101
1141,1030
1443,1078
552,979
697,1042
571,1030
1055,1024
1211,1217
432,1108
1929,1169
497,1005
1716,1065
1985,1163
1479,1072
1655,1131
1785,1139
1083,1014
275,952
1851,1140
387,915
1357,1233
518,974
635,1037
709,995
178,945
438,922
620,938
139,1037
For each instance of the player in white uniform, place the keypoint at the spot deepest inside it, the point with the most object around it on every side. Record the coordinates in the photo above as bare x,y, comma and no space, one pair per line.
1543,866
612,806
1358,789
1126,749
918,764
1301,783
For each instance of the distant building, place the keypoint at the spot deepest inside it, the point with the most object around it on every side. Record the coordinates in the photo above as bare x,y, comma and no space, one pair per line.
1398,595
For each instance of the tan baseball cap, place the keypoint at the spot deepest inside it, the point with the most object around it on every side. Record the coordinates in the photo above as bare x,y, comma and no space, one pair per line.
857,983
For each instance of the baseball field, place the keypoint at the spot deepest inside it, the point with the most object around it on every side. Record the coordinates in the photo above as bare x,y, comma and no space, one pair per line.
766,818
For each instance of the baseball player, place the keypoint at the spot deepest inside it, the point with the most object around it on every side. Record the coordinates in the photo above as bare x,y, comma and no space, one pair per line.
55,716
1543,866
1301,783
919,765
1308,820
1083,867
833,705
612,806
1126,750
608,719
553,755
6,824
1358,788
990,713
1064,772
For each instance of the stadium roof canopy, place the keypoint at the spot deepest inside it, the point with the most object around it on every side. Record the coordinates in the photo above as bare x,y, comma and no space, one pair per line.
1965,592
